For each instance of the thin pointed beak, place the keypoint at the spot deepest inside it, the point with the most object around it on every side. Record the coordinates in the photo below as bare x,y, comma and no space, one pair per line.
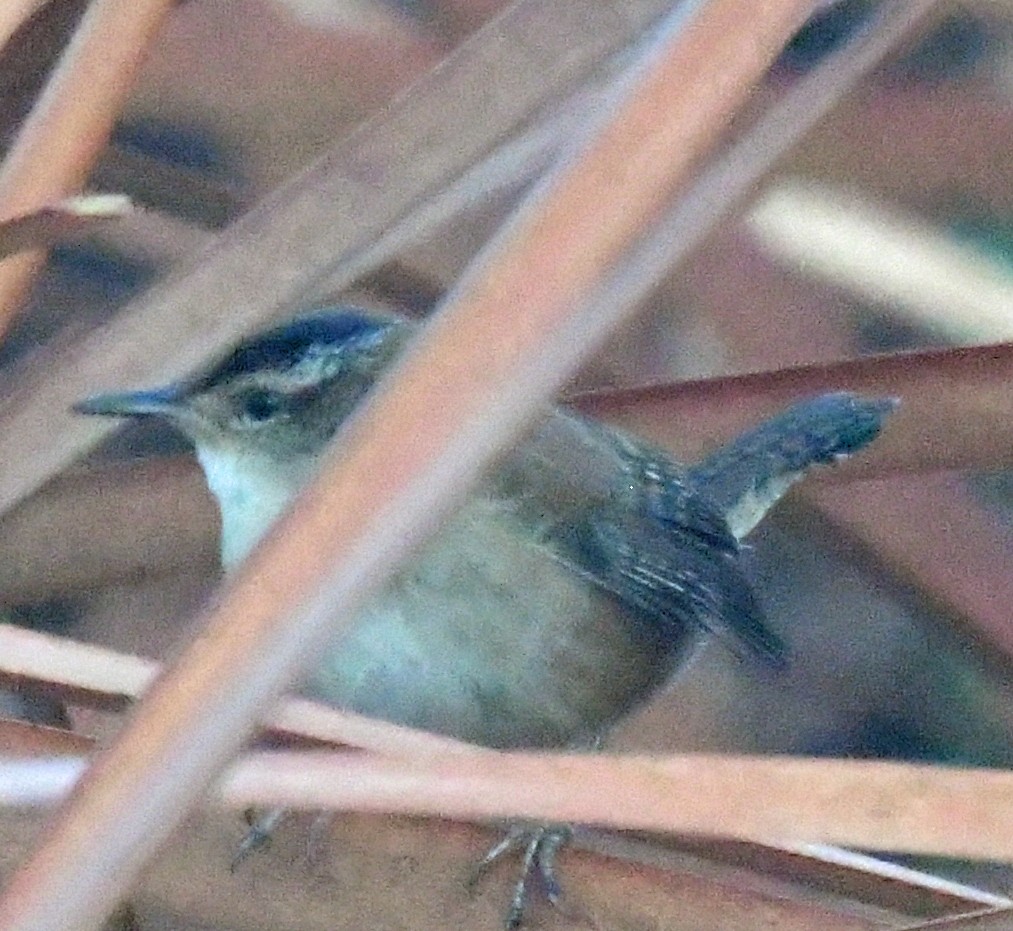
159,402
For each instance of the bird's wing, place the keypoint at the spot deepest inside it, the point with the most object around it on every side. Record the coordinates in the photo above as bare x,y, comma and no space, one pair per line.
673,559
662,539
623,515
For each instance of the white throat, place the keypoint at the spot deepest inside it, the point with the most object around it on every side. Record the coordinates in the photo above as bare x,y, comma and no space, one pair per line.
251,496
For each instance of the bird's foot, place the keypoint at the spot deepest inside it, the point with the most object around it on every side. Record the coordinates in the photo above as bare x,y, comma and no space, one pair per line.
260,829
258,834
540,844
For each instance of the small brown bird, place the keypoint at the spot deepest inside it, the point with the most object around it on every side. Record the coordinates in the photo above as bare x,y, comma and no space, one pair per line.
568,588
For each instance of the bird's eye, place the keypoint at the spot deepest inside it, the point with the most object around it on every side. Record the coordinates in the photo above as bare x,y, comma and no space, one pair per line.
259,404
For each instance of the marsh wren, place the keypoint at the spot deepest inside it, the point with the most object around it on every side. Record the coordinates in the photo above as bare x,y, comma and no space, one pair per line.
569,586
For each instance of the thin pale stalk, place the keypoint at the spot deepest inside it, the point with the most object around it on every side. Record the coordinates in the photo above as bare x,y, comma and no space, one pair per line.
887,806
871,805
97,677
1000,919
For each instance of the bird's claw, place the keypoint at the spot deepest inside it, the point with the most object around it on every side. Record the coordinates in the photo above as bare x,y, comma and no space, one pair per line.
258,834
540,845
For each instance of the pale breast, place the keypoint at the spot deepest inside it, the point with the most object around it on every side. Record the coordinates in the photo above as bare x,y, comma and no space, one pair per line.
487,637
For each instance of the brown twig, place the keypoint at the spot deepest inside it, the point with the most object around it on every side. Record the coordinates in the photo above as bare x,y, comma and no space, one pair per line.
70,124
907,807
49,225
956,410
90,674
18,739
865,804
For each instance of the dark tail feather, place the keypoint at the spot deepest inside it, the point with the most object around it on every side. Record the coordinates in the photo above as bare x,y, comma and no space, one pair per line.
748,475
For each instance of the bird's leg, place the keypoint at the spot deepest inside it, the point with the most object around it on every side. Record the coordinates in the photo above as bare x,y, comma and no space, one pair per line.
552,840
259,833
540,844
315,845
262,828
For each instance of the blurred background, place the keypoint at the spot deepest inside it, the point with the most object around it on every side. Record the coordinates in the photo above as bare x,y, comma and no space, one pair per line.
890,227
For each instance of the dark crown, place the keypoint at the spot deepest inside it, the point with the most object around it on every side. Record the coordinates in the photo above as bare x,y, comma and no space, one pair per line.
286,346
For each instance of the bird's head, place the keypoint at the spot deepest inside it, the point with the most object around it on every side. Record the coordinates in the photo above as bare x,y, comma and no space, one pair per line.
279,395
261,416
